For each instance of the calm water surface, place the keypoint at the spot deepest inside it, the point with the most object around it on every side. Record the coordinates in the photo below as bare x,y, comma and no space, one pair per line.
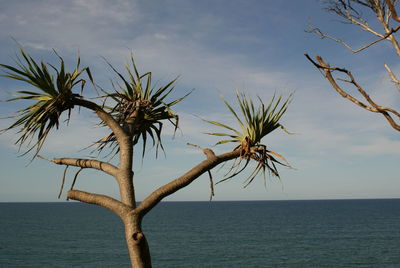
335,233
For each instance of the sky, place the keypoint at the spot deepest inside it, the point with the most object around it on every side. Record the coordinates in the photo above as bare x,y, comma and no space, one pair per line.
337,151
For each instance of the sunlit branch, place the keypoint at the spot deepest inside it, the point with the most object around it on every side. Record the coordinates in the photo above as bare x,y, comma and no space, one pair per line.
85,163
388,113
107,202
323,35
212,161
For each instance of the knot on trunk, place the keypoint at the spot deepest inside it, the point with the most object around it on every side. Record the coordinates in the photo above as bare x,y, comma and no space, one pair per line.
137,237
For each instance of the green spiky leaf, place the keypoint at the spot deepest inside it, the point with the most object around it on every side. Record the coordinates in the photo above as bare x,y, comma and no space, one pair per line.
255,123
140,108
53,95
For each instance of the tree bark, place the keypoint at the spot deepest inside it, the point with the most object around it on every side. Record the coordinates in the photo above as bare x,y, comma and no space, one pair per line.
136,241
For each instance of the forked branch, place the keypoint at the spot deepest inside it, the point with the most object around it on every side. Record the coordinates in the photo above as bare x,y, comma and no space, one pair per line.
383,37
392,10
393,77
391,115
382,9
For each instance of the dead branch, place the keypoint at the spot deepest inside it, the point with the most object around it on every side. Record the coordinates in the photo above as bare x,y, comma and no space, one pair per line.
382,9
393,78
393,12
385,36
388,113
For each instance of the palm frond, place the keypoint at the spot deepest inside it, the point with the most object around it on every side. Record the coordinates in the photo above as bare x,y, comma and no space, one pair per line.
140,108
54,95
255,123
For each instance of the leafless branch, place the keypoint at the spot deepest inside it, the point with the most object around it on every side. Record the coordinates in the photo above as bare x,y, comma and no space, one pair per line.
385,36
393,77
85,163
382,9
101,200
388,113
393,12
155,197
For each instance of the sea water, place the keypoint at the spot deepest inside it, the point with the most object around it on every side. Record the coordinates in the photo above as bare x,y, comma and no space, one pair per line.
319,233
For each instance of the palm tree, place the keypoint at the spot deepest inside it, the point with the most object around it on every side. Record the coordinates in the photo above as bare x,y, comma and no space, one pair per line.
134,110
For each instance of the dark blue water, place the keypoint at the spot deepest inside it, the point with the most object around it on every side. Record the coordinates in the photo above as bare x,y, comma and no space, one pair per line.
341,233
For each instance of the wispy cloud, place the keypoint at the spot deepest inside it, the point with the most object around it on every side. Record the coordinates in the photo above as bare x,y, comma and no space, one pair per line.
379,146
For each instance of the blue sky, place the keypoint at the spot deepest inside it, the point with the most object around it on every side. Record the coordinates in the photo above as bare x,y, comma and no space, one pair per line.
216,47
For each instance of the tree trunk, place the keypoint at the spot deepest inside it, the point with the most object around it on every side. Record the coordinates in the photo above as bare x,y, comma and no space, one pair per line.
136,242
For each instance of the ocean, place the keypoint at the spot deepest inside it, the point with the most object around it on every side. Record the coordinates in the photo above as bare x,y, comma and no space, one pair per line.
249,234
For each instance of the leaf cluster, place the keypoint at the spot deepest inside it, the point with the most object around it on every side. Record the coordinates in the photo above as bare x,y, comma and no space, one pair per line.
139,107
255,123
52,93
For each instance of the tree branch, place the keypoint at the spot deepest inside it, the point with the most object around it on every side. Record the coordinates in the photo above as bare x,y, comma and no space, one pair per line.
118,131
107,202
124,141
392,10
385,36
345,10
373,107
85,163
212,161
393,77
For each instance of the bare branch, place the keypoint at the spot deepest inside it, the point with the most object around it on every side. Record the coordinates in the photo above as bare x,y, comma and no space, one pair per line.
85,163
345,10
392,10
107,202
393,77
385,36
388,113
184,180
357,20
380,13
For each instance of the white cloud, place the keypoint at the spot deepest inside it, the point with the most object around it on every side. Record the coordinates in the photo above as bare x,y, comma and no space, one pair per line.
122,11
38,46
377,147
